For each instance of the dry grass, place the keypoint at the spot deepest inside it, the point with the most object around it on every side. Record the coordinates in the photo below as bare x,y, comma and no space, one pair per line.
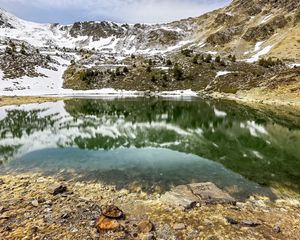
5,101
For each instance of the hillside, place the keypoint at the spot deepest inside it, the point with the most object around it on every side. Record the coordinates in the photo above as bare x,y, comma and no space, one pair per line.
218,51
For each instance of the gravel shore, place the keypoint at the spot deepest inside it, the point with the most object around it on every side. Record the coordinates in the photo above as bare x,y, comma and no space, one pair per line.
33,206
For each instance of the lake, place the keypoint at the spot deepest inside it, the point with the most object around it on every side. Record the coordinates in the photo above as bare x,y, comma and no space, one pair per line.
154,143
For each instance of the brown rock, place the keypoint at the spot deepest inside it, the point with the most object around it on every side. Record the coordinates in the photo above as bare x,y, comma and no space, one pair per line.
107,224
57,189
210,193
145,226
112,211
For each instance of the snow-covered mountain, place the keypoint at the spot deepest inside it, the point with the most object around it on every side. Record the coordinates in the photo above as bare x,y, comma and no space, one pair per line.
248,29
107,36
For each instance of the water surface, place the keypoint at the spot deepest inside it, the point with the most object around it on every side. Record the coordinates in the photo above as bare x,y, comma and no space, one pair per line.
154,143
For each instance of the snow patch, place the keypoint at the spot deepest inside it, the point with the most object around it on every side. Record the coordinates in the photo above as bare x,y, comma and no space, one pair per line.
219,113
222,73
255,57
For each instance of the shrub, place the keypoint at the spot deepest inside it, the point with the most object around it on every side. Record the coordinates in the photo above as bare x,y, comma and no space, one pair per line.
222,63
208,58
169,62
118,73
178,73
233,59
8,50
125,70
195,59
153,79
187,52
267,63
218,59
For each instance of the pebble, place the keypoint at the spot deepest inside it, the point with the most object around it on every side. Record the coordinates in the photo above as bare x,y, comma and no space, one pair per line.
112,211
276,229
106,224
231,221
57,189
179,226
145,226
35,203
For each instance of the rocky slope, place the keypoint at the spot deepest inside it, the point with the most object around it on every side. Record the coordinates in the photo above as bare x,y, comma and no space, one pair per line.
247,30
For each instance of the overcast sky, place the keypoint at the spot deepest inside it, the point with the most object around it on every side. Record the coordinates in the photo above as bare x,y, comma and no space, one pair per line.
130,11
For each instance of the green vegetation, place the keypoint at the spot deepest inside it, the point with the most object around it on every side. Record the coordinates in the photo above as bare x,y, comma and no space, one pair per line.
267,63
208,58
125,70
218,59
177,72
187,52
23,49
169,62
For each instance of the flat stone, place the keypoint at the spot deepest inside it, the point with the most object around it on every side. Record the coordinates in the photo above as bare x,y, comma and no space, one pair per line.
248,223
179,226
145,226
112,211
210,193
57,189
180,196
106,224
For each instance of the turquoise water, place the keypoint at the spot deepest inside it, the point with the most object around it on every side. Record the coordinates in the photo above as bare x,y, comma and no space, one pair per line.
154,143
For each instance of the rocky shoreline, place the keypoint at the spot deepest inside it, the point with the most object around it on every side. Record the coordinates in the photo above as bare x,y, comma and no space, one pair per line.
33,206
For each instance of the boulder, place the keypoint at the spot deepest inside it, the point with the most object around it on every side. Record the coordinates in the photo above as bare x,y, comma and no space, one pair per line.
188,196
180,196
210,193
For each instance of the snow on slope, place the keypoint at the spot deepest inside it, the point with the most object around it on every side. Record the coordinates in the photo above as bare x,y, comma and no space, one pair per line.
130,39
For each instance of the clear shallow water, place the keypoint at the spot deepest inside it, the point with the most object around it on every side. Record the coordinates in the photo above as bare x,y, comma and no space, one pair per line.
154,142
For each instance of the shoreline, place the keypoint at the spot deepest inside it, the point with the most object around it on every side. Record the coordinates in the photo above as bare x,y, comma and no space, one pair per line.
244,97
253,97
29,209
